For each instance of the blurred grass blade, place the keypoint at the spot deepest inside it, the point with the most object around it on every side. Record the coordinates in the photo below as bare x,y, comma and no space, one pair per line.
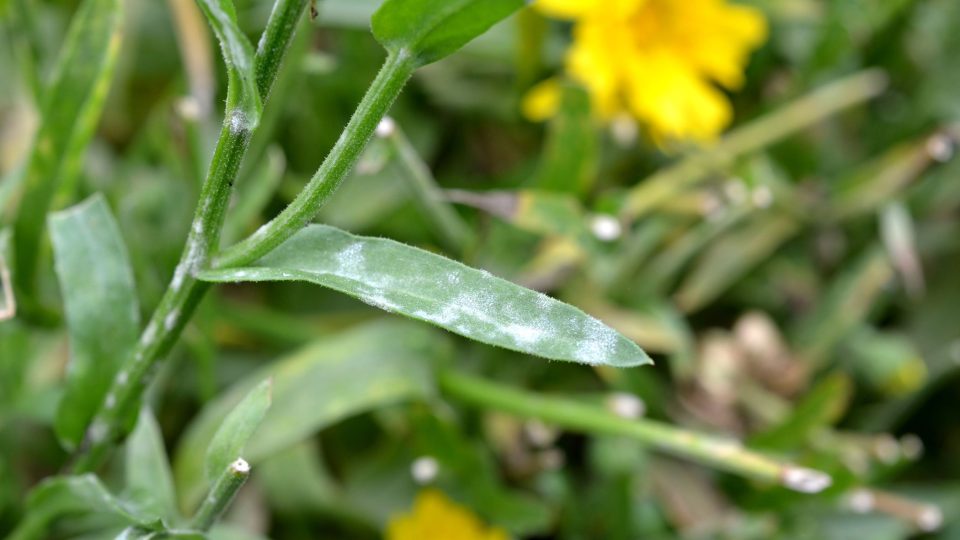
539,212
428,30
149,480
879,180
418,284
764,131
566,413
900,240
316,387
571,151
445,222
70,111
821,407
100,298
730,258
243,98
236,430
193,40
75,496
848,302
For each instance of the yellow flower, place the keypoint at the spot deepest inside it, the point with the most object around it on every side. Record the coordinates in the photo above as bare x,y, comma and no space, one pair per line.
436,517
659,60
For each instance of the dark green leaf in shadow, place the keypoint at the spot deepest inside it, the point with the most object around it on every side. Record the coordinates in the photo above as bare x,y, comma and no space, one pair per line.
431,288
102,312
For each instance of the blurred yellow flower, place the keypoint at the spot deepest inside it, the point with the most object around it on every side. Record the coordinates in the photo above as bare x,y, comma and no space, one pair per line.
436,517
659,60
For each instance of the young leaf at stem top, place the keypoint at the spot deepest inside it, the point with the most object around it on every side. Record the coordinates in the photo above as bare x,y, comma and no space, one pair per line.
428,30
243,99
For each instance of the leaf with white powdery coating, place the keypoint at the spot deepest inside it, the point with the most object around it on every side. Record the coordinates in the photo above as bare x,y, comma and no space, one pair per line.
103,317
236,430
428,30
238,54
418,284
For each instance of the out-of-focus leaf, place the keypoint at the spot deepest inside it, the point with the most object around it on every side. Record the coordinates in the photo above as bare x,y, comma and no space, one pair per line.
238,54
799,114
848,303
569,160
76,496
425,286
236,430
70,110
103,317
822,406
539,212
428,30
316,387
733,256
878,181
900,241
148,477
886,362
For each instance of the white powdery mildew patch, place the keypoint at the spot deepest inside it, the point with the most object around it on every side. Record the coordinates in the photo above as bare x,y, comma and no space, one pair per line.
598,343
149,334
171,320
523,334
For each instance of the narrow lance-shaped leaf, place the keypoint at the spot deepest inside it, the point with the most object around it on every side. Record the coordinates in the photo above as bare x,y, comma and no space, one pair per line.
71,108
425,286
243,99
428,30
102,310
236,430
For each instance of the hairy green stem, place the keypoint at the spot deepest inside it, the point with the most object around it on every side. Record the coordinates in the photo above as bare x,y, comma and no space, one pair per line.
224,489
341,159
120,407
728,455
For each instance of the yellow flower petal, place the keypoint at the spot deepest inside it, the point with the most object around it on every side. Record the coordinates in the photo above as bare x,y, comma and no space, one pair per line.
542,101
659,60
434,516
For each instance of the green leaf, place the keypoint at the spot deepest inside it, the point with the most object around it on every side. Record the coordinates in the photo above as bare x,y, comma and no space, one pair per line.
70,111
823,406
425,286
102,312
149,480
316,387
569,163
428,30
75,496
236,429
243,98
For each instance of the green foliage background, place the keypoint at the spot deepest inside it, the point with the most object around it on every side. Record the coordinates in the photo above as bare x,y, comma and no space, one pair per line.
796,286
